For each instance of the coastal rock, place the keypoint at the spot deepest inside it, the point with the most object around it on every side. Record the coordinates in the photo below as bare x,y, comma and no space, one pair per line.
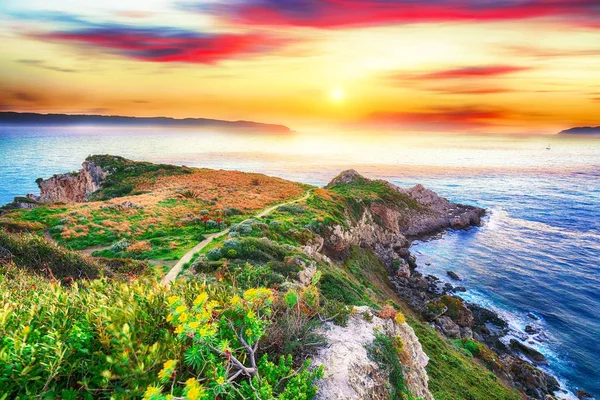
453,275
74,187
534,382
447,327
527,351
351,374
433,310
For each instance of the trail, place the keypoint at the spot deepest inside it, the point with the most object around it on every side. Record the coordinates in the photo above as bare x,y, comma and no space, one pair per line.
187,257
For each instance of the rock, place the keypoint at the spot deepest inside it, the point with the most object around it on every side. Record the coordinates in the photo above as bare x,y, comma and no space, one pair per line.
534,382
459,289
73,187
527,351
583,395
403,270
447,327
349,372
457,310
532,330
533,316
433,310
453,275
466,333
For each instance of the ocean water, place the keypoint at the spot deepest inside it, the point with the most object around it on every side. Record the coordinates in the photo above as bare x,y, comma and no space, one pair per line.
536,254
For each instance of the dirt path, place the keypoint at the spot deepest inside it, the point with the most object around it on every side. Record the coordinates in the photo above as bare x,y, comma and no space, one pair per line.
176,270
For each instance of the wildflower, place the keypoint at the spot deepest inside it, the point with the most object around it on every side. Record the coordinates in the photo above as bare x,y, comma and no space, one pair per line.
152,393
183,317
248,332
26,330
180,309
172,299
220,380
235,300
194,324
179,329
169,317
202,297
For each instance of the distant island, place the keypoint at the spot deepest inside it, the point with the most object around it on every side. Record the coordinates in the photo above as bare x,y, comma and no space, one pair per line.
16,118
582,130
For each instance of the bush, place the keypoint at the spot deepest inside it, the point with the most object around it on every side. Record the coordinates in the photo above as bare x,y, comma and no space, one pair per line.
36,254
214,254
385,352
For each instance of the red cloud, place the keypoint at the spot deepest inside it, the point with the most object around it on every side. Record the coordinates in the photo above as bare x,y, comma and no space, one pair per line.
341,13
168,44
443,118
474,72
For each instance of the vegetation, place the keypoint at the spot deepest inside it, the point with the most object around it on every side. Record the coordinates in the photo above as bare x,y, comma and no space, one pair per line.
385,351
241,322
452,374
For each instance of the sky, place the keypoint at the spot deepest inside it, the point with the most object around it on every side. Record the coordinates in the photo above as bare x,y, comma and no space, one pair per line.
484,66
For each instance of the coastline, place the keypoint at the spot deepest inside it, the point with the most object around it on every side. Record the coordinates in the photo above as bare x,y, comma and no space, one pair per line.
485,309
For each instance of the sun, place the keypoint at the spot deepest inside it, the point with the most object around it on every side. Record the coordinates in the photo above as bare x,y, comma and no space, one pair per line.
337,95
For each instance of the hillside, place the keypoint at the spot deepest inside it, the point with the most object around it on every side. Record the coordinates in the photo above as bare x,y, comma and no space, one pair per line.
15,118
317,295
582,130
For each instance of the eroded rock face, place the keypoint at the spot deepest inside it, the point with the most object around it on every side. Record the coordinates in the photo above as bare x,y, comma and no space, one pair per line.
349,372
72,187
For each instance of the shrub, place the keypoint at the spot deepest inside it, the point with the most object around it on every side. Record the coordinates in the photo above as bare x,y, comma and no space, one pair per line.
385,352
36,254
139,247
221,336
214,254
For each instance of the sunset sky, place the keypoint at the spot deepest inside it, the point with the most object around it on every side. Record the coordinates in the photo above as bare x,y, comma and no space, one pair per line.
442,65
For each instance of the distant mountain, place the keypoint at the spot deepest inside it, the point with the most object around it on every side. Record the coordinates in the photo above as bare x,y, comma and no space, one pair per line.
15,118
582,130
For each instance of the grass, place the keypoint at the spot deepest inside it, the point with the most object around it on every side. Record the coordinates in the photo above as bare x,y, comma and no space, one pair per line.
453,375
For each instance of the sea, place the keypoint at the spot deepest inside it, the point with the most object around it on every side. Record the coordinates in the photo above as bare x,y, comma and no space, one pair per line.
535,259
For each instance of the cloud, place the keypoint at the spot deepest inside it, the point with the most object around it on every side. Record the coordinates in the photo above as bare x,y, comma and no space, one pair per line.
474,72
344,13
43,65
26,97
441,118
166,44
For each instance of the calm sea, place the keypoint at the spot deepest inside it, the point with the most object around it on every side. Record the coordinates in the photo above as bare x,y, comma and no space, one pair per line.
536,259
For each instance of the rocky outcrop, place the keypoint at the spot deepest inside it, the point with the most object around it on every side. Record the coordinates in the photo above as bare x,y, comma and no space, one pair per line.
74,187
351,374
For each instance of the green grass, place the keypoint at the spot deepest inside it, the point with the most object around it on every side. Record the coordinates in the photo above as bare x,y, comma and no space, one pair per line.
453,375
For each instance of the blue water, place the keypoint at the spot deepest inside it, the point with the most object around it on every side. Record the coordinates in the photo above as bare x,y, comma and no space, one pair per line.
537,252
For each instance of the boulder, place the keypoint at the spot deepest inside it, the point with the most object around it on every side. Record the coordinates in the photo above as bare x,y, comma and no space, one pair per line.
527,351
453,275
447,327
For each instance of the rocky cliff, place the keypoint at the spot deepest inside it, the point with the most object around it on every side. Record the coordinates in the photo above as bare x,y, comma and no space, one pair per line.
350,374
387,225
73,187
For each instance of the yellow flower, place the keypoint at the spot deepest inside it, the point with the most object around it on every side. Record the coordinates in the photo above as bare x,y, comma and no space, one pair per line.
248,332
190,382
170,364
179,329
194,390
220,380
251,314
26,330
194,394
172,299
180,309
169,317
202,297
194,324
235,300
183,317
152,393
